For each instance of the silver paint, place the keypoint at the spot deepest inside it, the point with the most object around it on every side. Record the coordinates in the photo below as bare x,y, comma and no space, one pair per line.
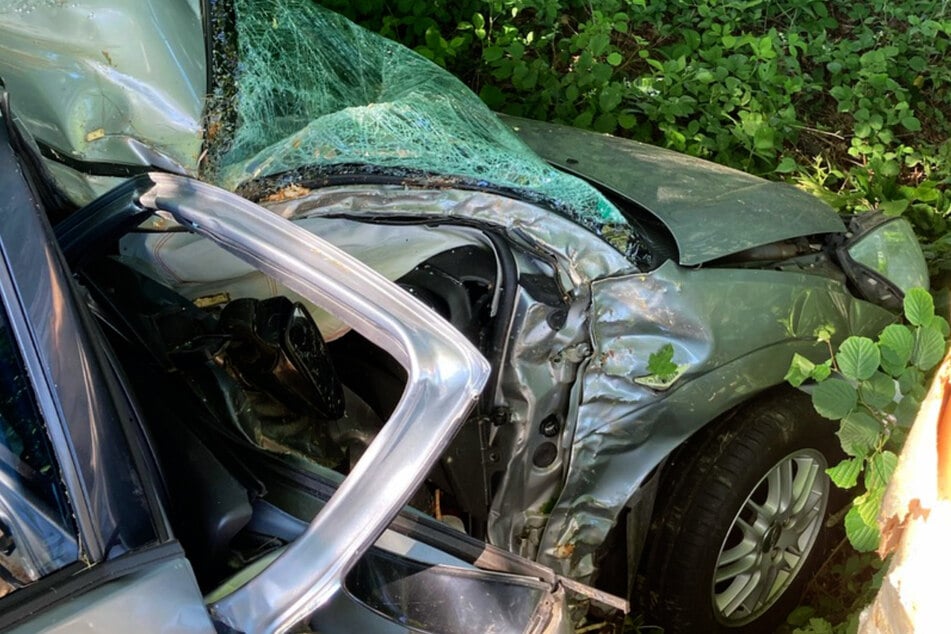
615,430
92,80
163,598
731,349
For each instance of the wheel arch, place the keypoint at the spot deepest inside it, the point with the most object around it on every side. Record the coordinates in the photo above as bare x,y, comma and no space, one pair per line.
634,519
727,455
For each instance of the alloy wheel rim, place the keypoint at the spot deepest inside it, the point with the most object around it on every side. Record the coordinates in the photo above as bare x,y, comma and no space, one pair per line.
770,537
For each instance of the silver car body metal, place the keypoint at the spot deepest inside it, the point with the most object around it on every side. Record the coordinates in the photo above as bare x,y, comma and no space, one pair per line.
95,85
701,203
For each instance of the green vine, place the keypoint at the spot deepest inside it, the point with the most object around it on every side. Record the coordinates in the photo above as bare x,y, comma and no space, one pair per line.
874,389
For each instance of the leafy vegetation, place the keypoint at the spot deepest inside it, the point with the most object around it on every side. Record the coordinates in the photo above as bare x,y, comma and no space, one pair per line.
850,100
874,390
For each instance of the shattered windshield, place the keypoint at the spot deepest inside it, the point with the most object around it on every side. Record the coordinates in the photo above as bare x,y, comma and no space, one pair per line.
316,94
280,93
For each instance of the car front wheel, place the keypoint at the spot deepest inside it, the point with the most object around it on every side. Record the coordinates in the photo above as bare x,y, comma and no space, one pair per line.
739,525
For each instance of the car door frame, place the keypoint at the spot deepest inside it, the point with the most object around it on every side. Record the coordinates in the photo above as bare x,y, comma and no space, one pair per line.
88,420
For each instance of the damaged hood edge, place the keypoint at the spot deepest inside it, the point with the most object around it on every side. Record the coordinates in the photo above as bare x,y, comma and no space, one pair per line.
701,203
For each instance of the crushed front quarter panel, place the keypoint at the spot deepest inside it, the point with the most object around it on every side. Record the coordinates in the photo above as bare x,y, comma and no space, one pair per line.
733,332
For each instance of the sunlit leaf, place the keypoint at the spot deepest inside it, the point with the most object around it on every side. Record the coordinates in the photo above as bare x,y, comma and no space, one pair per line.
919,306
845,475
881,466
862,536
869,504
858,358
800,369
824,333
822,371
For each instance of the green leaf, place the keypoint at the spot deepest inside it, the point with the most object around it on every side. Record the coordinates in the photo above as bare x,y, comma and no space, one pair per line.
911,124
878,391
845,475
919,306
822,371
881,466
615,59
909,379
858,358
661,364
893,207
896,344
584,119
492,53
858,433
869,504
800,369
929,348
800,616
834,398
610,98
862,536
786,165
940,324
626,120
907,411
824,333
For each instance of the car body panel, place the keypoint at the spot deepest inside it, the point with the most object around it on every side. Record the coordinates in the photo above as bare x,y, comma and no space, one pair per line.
115,511
703,204
733,332
163,598
84,423
92,97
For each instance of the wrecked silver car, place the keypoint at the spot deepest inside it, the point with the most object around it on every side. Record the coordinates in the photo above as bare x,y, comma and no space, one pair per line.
638,308
163,463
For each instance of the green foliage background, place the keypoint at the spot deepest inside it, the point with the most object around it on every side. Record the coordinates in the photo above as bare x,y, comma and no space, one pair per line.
850,100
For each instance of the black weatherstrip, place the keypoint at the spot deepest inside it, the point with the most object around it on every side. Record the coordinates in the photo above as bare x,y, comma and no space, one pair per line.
93,168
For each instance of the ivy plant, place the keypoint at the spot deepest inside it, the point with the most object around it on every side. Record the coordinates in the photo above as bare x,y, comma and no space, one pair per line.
873,388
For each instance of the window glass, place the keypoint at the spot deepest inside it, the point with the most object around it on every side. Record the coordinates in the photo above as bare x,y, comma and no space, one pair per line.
37,535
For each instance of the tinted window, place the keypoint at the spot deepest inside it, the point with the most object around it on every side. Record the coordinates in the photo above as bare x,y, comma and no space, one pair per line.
37,535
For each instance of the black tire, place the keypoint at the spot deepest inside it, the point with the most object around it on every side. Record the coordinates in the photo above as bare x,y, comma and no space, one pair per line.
733,472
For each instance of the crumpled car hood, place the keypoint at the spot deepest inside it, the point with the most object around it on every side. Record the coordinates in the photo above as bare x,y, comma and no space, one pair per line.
711,210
